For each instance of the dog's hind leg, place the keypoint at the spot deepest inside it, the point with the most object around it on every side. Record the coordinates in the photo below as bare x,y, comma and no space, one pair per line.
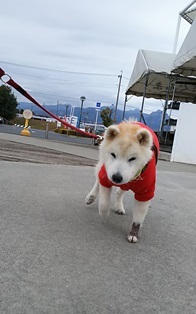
104,200
90,198
139,213
119,207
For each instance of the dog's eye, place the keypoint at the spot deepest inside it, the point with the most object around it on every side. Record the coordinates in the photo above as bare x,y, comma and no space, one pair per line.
132,159
113,155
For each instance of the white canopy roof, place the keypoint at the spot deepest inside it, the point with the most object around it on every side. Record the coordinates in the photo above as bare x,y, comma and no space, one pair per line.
185,61
189,13
152,66
151,77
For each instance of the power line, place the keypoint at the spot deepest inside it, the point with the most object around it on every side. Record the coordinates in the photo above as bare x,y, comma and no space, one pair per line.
67,97
56,70
98,84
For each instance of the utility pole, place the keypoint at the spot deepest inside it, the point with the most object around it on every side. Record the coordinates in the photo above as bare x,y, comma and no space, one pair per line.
57,108
118,93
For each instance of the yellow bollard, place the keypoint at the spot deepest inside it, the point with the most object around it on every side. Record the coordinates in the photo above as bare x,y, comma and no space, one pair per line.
27,114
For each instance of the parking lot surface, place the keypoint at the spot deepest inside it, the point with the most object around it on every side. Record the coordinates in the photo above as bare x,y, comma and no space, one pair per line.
59,256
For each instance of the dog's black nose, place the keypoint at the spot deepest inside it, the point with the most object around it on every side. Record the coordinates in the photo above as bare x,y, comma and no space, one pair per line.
117,178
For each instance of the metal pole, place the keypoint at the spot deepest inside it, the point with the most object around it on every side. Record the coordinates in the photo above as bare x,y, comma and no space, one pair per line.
178,25
82,98
117,98
144,95
96,119
173,95
66,109
187,7
165,110
80,112
57,108
177,34
125,102
46,132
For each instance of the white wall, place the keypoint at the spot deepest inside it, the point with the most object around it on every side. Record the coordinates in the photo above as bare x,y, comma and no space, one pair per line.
184,146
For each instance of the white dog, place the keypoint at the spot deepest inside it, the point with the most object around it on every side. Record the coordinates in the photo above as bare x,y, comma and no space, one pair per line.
128,156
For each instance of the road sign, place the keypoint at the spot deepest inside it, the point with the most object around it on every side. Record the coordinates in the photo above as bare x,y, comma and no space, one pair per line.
98,105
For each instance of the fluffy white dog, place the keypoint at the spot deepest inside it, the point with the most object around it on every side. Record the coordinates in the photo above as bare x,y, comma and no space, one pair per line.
128,157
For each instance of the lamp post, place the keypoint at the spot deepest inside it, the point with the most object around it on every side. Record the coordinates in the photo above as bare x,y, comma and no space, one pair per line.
82,98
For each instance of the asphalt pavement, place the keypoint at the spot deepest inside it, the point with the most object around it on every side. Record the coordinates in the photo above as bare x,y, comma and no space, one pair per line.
59,256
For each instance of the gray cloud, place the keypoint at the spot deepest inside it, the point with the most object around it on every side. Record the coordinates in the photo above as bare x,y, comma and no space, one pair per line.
88,36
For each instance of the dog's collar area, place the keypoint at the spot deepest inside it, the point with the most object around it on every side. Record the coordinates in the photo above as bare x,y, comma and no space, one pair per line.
154,149
140,172
137,174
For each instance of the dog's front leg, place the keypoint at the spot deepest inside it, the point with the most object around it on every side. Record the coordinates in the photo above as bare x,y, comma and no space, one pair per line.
104,200
139,212
90,198
119,208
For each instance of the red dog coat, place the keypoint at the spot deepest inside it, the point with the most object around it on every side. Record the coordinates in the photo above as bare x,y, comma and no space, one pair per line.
144,185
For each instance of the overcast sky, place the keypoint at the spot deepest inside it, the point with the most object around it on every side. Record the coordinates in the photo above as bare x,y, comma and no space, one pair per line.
60,50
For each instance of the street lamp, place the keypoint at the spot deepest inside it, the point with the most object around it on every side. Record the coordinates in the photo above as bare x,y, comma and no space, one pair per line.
82,98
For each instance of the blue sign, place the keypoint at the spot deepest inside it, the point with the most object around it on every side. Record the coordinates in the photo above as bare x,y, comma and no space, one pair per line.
98,105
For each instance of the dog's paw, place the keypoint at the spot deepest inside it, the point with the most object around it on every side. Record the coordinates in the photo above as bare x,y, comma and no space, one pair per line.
132,238
120,211
90,199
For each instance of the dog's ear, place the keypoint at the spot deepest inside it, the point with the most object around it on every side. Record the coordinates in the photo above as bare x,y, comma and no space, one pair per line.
145,138
111,132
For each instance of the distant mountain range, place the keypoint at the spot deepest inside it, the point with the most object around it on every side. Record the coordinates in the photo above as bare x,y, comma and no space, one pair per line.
153,120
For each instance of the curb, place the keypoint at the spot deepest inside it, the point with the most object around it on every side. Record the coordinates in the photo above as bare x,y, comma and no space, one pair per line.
164,156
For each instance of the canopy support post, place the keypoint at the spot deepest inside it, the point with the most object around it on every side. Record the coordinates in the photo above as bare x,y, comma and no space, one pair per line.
142,106
173,95
125,103
164,111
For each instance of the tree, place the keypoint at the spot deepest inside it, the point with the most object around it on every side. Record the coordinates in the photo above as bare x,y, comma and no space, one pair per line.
8,103
106,116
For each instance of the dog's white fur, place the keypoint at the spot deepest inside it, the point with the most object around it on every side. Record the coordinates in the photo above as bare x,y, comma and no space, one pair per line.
125,151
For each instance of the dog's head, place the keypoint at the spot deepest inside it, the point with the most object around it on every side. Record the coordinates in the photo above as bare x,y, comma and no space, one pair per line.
125,150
